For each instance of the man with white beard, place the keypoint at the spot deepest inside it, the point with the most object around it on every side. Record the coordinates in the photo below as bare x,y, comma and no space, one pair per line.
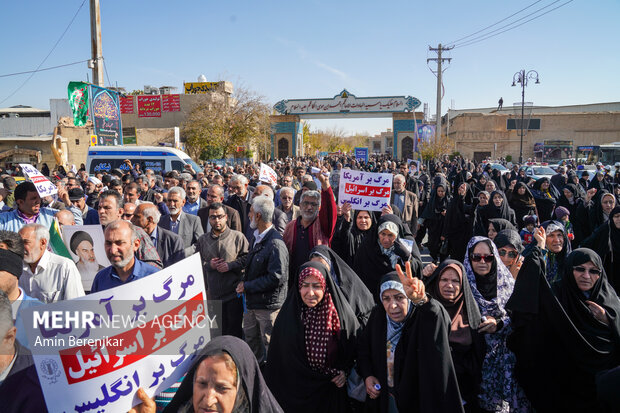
46,276
81,244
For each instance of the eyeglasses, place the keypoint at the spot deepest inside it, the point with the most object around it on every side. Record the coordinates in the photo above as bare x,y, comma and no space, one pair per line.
127,215
511,254
213,217
483,258
591,271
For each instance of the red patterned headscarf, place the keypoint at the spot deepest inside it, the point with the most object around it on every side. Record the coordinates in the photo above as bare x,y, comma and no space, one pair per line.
321,325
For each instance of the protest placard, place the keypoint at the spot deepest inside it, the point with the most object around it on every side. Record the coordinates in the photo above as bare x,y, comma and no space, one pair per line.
86,245
361,154
43,185
267,174
365,190
92,353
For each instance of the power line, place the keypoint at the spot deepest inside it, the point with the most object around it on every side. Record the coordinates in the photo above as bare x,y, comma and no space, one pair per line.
44,69
47,56
477,40
509,24
494,24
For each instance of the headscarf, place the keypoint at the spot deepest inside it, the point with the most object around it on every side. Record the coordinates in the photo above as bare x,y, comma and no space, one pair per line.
435,203
502,211
355,292
550,193
523,201
391,281
321,324
508,237
573,300
492,290
501,224
289,371
463,310
258,398
556,261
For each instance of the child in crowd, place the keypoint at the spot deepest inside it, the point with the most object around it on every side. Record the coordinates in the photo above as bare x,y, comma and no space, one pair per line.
527,233
563,215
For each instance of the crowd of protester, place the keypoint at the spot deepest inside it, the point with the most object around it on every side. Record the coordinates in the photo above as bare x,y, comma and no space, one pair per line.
327,308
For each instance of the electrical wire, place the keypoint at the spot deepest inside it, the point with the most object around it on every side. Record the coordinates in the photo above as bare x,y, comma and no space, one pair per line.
489,35
494,24
47,56
44,69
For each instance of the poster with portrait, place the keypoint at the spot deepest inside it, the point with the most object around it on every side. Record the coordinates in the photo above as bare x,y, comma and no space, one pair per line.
86,244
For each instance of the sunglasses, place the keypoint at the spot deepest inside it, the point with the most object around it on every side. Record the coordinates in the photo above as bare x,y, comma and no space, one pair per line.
511,254
591,271
483,258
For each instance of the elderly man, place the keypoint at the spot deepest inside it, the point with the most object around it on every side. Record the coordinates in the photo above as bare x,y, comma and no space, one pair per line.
20,390
169,245
11,268
65,217
266,277
239,199
111,209
194,202
314,227
28,211
82,245
121,244
184,225
406,202
291,210
93,187
220,245
128,210
47,277
215,194
279,218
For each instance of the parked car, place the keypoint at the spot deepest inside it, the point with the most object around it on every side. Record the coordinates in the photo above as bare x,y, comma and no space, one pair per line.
536,172
501,168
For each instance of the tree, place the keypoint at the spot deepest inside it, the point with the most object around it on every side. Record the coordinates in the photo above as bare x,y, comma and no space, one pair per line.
436,149
217,125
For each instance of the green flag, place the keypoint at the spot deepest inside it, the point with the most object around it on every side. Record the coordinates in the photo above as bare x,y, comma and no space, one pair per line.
78,100
56,242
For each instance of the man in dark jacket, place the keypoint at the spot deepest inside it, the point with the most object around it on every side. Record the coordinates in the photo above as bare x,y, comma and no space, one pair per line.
266,277
169,245
215,194
20,390
239,198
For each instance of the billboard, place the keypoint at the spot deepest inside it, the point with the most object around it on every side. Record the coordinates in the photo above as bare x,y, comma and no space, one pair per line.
106,116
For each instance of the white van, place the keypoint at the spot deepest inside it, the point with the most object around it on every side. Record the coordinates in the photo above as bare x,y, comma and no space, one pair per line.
157,158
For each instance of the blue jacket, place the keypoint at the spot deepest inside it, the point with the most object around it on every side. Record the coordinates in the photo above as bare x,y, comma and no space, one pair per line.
10,221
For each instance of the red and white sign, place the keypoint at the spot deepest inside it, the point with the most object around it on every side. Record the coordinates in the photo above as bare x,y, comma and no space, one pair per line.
170,103
126,104
365,190
149,106
267,175
43,185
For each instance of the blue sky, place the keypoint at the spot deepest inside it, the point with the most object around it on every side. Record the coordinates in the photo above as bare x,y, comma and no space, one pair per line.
314,49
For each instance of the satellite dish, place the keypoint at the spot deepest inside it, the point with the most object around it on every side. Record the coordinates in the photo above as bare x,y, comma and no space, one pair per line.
202,78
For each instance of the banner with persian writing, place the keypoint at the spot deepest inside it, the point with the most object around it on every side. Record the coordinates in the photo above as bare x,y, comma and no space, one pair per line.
92,353
192,88
127,105
170,103
149,106
364,190
44,186
78,101
106,115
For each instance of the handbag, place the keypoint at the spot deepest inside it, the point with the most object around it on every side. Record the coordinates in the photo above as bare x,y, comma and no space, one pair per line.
356,388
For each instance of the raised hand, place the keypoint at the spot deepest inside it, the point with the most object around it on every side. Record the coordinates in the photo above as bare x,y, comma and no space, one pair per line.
414,287
540,236
590,194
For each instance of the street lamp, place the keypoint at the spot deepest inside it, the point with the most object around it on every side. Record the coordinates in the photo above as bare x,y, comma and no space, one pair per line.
522,77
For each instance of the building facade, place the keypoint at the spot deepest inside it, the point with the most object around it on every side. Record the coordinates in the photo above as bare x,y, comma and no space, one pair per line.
554,132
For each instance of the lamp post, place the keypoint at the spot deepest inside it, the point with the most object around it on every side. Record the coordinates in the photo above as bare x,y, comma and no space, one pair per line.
522,77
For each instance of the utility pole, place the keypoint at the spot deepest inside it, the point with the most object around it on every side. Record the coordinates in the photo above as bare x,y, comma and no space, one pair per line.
95,39
439,61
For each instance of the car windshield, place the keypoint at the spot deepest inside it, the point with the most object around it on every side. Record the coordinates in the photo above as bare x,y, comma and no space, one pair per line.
499,167
544,171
